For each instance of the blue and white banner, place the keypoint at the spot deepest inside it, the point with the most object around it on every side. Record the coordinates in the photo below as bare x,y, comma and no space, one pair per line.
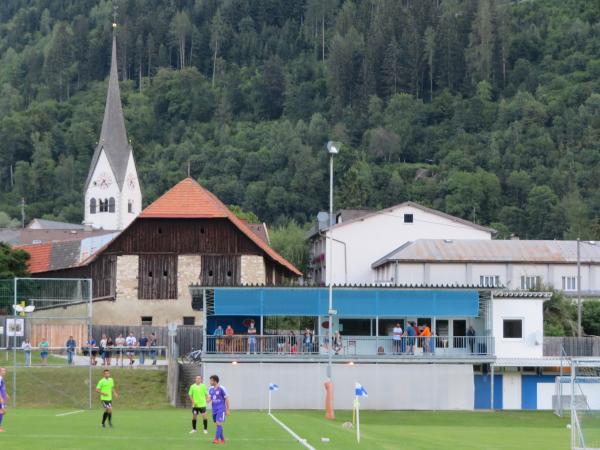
360,391
273,387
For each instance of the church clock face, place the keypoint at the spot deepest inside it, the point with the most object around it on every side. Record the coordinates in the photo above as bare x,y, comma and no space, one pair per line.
104,180
131,181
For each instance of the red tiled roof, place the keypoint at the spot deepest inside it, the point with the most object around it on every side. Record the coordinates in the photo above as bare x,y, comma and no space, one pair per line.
188,200
40,256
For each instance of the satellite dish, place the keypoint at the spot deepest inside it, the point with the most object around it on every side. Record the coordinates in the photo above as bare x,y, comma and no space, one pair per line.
323,216
333,148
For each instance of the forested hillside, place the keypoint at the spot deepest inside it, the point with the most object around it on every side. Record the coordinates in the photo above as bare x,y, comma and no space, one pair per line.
487,109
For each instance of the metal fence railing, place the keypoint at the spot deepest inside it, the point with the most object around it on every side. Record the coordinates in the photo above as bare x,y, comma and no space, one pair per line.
80,356
460,346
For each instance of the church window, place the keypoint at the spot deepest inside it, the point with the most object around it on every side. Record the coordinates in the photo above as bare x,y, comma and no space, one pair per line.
92,206
111,205
102,205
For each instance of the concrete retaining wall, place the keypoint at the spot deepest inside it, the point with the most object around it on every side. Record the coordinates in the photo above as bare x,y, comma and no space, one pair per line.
390,386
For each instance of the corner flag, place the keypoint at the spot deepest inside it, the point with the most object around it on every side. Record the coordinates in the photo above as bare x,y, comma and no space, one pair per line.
273,387
360,391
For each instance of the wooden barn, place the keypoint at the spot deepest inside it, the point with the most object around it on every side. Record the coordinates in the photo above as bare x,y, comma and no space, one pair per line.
187,236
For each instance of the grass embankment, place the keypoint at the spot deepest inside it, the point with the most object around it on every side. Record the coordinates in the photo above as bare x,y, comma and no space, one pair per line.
67,387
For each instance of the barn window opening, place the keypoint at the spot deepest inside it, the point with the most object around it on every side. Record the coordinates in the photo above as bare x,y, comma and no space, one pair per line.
165,273
150,274
160,231
229,273
201,230
210,273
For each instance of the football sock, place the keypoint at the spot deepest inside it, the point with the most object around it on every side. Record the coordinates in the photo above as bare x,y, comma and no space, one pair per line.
109,417
205,423
220,432
1,417
104,416
193,424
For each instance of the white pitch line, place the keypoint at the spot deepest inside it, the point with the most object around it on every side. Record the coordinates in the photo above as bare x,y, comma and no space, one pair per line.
294,435
70,412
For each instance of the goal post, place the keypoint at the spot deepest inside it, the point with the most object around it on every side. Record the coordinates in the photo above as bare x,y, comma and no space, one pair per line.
583,388
47,324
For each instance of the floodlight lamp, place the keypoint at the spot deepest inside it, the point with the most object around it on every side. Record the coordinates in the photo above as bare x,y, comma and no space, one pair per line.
18,308
29,309
333,148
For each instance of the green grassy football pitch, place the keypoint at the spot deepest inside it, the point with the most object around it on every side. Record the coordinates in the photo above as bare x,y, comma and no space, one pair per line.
169,429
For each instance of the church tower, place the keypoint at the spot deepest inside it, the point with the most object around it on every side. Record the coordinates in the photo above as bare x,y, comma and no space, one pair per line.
113,198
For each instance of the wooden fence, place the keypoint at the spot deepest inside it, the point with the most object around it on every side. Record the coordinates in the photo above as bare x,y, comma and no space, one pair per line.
573,346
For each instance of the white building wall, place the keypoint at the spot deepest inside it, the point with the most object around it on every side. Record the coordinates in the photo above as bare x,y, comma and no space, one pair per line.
530,311
371,238
436,386
447,274
509,274
105,220
131,191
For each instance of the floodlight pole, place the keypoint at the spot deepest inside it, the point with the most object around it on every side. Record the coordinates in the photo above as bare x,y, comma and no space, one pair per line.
330,265
578,288
14,394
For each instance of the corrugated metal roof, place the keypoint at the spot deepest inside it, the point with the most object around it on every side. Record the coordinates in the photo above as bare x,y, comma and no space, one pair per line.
479,250
44,224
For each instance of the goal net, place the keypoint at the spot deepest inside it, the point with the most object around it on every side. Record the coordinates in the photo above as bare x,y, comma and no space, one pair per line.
583,393
46,325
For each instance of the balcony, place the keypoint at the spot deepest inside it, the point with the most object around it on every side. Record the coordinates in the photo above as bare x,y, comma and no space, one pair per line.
350,348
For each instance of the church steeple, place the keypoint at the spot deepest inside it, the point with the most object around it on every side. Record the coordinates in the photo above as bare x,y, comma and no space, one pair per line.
113,136
112,192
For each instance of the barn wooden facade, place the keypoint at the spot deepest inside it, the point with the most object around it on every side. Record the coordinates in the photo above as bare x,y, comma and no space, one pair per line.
187,236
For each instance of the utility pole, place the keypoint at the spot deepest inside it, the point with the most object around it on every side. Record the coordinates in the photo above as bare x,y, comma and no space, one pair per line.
578,288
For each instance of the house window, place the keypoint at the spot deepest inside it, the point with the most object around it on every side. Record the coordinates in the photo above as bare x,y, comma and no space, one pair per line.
569,283
146,320
529,282
92,206
489,280
130,206
512,328
189,321
408,218
111,205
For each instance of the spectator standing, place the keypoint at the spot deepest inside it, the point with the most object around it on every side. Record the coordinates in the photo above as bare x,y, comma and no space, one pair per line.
103,349
426,335
251,338
153,344
293,342
44,351
229,338
218,334
91,343
143,345
397,337
411,332
120,343
26,347
337,342
471,338
131,343
108,350
71,344
307,341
